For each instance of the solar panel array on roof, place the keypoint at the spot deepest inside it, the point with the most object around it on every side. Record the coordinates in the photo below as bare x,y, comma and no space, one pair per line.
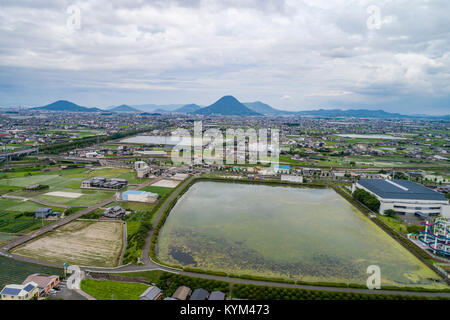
11,291
400,189
28,288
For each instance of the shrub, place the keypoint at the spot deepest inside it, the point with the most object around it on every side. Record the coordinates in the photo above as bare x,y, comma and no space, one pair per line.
390,213
415,228
367,199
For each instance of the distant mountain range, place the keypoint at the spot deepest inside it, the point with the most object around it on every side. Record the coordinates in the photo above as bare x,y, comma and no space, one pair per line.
124,108
230,106
67,106
363,113
227,106
154,107
265,109
188,108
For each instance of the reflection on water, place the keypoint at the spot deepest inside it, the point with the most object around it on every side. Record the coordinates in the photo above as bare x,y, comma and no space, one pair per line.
179,255
283,232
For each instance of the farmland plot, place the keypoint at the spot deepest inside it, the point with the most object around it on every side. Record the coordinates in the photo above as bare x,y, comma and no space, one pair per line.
83,243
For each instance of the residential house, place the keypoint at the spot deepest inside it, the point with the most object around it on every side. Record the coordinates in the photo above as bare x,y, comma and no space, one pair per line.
26,291
152,293
114,212
45,283
199,294
44,213
182,293
217,295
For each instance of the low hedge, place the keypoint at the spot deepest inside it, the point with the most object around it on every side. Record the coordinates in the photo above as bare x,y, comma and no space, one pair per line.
254,292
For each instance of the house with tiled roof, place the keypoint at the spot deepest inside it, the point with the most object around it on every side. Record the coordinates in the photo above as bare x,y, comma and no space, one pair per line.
45,283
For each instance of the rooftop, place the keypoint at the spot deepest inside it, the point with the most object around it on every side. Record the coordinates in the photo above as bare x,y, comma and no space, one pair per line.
18,290
42,280
282,166
217,295
151,293
400,189
182,293
199,294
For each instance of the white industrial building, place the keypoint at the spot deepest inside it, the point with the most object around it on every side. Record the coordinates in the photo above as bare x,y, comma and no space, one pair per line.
405,197
138,196
297,179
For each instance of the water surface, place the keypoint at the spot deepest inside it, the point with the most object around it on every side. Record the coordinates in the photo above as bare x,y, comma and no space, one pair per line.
283,232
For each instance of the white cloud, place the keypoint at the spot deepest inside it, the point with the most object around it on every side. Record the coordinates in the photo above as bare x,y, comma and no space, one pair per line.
314,51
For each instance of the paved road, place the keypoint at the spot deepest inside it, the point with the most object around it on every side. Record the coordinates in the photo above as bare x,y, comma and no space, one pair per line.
18,152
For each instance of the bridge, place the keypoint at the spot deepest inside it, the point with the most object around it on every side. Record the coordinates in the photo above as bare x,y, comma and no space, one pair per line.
17,153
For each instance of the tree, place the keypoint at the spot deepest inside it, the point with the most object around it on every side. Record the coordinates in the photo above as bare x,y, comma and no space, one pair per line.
415,229
390,213
367,199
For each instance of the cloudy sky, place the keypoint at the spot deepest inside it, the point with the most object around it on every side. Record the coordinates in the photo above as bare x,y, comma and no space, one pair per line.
292,54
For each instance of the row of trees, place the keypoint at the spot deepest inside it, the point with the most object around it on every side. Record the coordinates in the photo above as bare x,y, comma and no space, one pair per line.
169,282
136,241
369,200
253,292
56,148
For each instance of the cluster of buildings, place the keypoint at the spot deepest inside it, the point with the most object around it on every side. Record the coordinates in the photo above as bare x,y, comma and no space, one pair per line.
103,183
182,293
119,151
33,287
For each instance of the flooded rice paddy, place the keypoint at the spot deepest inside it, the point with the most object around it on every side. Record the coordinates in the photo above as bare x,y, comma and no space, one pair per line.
283,232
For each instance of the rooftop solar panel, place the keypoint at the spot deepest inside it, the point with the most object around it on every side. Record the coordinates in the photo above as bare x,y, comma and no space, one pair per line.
11,291
28,288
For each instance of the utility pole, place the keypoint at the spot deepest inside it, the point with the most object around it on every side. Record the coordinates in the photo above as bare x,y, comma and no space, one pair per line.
7,160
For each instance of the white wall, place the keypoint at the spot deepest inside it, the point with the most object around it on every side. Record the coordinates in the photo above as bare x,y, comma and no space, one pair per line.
446,211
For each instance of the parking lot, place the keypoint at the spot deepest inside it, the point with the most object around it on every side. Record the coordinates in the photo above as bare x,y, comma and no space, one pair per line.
61,292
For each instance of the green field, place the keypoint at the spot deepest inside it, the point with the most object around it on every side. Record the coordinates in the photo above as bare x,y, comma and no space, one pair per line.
64,180
152,276
15,272
69,178
4,237
162,191
17,216
89,197
111,290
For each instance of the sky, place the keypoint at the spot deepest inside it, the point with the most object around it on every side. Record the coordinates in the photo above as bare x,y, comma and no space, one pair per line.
294,55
